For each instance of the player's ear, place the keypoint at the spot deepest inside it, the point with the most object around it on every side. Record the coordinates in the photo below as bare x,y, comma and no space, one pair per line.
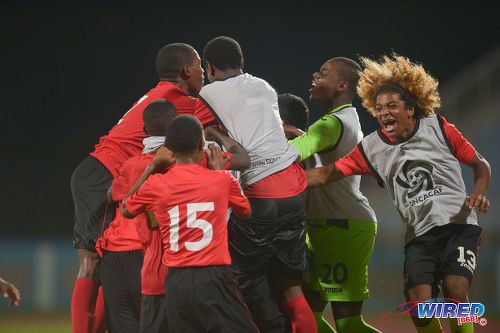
343,85
201,144
411,112
242,67
185,73
210,68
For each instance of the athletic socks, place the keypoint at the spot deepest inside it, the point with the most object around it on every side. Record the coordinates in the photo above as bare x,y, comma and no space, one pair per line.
464,328
323,325
300,315
434,326
83,305
354,324
99,325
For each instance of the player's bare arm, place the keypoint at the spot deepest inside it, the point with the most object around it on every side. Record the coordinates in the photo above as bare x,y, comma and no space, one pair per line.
482,173
317,177
292,131
7,289
162,160
240,159
244,216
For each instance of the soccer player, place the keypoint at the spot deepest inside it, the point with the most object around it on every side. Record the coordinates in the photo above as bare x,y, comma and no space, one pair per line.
190,204
272,242
179,69
342,225
123,243
7,289
415,156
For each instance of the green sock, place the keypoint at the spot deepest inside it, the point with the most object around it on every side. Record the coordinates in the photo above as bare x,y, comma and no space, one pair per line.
464,328
434,326
323,325
354,324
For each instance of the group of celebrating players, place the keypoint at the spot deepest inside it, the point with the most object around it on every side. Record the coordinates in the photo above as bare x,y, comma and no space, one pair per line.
168,240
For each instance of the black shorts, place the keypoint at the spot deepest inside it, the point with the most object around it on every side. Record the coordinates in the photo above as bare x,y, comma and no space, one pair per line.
273,239
205,299
120,274
153,317
445,250
93,212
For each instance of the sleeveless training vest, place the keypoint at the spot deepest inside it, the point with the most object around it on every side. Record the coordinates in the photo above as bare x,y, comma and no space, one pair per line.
421,175
341,199
247,109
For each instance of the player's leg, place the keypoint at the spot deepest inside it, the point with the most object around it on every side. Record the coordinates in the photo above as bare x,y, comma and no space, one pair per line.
89,184
121,285
220,303
100,325
312,293
289,261
342,250
421,270
250,246
459,266
153,318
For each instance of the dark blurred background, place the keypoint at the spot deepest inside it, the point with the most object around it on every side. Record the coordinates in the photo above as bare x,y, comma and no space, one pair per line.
71,70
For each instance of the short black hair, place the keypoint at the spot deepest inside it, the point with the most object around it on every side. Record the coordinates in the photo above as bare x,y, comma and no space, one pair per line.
157,115
294,111
349,72
172,58
184,133
224,53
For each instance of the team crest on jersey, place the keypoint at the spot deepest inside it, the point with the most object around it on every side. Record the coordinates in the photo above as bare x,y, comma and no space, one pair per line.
416,176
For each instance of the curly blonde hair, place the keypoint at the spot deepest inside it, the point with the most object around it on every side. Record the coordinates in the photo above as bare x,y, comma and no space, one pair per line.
398,74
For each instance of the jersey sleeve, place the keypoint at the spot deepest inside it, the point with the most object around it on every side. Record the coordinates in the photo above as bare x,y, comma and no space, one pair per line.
237,200
322,135
462,149
203,113
354,164
143,199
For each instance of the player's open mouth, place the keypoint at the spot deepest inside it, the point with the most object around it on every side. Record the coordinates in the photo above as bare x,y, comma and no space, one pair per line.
389,125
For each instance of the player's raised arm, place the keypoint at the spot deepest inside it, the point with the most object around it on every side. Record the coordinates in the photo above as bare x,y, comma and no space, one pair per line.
163,159
240,159
482,173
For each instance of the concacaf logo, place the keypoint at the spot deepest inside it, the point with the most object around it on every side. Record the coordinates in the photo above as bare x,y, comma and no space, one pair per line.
416,176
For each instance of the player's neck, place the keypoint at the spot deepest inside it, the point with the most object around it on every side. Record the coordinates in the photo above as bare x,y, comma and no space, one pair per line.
176,81
188,158
335,103
222,75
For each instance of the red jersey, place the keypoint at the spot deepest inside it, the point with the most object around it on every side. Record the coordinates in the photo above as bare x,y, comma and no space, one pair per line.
355,164
190,204
124,140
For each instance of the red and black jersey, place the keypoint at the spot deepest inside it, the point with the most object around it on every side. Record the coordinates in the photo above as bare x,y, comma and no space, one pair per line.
124,140
190,204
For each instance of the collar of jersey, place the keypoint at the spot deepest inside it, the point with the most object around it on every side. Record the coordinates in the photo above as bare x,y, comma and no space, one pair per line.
338,108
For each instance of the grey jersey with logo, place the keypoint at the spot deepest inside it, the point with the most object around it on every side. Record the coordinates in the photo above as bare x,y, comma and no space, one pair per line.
341,199
421,175
247,108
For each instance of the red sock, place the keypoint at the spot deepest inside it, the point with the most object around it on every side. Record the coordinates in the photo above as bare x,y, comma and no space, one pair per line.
300,315
100,314
83,305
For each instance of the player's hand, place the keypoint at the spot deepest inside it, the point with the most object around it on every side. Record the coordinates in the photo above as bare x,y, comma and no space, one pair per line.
162,160
477,202
291,132
211,133
215,158
7,289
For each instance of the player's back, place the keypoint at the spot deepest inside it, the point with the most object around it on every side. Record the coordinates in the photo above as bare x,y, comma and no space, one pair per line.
124,140
190,204
247,108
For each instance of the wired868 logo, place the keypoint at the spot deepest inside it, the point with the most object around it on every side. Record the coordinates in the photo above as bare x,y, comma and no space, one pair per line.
441,308
416,176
